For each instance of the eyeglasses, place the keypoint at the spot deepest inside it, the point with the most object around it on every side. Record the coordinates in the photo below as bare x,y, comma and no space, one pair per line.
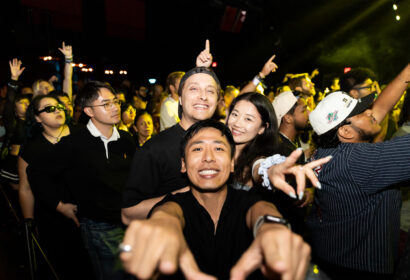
108,105
371,86
52,109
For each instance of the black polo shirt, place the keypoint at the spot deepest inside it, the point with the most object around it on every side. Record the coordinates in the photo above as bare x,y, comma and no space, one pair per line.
217,252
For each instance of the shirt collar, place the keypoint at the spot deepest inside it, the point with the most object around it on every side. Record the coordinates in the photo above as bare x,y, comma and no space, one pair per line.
96,133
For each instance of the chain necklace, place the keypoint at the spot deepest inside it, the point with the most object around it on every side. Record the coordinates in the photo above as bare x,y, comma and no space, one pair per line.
58,138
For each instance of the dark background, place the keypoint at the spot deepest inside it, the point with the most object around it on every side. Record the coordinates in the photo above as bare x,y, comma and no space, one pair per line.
154,38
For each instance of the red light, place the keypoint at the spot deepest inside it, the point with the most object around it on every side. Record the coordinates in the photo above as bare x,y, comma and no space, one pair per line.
214,64
347,69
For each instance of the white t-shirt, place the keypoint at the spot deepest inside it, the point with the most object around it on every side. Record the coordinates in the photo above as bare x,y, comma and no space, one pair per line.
169,113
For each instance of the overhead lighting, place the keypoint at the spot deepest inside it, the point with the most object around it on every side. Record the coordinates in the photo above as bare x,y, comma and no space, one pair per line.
395,7
152,81
397,17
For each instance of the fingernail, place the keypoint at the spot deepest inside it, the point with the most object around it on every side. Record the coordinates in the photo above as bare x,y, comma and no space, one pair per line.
318,185
329,157
300,195
300,148
292,195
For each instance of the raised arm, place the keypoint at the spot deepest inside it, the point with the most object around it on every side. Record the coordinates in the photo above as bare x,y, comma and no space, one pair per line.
68,69
269,67
391,94
158,245
277,251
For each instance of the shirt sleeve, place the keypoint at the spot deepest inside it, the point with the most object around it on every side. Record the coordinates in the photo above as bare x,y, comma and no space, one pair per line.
379,165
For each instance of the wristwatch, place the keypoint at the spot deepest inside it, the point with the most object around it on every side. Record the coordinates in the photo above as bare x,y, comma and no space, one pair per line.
268,219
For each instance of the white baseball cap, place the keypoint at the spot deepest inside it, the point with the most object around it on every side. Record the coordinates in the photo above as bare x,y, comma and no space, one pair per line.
335,108
283,103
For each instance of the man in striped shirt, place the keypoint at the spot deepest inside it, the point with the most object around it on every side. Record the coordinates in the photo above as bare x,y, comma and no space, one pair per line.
354,223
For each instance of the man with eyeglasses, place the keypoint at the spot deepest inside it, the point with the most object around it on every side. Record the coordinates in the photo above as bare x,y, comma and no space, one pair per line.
355,220
92,164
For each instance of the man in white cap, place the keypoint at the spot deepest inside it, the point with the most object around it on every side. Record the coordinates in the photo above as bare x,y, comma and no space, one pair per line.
354,222
293,118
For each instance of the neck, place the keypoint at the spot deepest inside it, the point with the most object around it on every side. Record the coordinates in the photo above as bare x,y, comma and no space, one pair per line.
289,131
212,202
143,139
238,150
54,134
174,96
185,123
105,129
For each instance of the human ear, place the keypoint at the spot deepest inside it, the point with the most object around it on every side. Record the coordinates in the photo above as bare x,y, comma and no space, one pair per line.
89,112
346,132
183,167
354,93
232,165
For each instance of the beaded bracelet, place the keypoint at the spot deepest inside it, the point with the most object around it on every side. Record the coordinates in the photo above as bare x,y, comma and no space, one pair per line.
265,165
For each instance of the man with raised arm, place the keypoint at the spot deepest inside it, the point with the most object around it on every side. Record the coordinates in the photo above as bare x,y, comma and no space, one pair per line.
212,228
354,222
156,168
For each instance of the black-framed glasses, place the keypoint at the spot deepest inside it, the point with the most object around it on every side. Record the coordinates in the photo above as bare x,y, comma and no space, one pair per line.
108,105
52,109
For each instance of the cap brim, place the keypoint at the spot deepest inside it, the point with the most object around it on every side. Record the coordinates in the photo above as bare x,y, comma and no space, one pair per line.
362,105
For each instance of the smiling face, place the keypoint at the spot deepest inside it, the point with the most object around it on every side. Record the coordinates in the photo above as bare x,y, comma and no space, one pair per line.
245,122
199,98
208,161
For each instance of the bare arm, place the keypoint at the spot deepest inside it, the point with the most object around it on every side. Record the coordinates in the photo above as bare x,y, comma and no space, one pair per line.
391,94
269,67
26,196
68,70
158,244
141,210
276,250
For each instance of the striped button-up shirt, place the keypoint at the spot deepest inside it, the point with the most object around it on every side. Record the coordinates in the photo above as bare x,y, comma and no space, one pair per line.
355,219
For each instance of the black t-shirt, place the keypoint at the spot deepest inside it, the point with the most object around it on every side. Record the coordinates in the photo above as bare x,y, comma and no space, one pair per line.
216,253
38,153
156,168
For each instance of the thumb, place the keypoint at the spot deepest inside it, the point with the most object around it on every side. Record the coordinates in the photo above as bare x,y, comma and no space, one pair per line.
190,269
249,262
77,223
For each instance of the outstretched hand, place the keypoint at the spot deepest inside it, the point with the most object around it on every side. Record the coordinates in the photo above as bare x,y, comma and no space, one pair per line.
278,252
204,59
15,68
158,245
67,50
269,67
69,210
277,174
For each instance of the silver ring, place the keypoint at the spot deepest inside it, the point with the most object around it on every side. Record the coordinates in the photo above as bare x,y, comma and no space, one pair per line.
124,248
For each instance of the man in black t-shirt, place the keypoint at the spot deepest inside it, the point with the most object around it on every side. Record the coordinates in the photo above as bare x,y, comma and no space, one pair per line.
210,227
156,168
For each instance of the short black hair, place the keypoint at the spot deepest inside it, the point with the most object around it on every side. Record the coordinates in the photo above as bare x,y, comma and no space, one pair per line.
355,77
90,92
198,70
198,126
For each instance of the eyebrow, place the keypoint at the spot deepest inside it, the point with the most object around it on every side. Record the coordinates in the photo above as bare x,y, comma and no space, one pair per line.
250,115
196,83
202,141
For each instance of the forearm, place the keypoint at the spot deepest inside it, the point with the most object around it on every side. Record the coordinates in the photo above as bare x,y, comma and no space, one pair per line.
391,94
260,208
26,200
139,211
67,82
169,211
250,87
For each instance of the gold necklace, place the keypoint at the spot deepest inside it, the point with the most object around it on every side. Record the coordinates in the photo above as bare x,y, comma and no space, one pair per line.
58,138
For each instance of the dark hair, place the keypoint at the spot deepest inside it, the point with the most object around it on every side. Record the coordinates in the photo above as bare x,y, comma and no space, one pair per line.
32,127
58,93
125,106
296,80
262,145
354,77
198,70
172,78
139,114
198,126
90,92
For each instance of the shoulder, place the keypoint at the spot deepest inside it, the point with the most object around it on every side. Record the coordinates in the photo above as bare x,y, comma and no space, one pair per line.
167,136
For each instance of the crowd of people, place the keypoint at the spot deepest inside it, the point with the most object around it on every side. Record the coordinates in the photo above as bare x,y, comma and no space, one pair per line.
201,181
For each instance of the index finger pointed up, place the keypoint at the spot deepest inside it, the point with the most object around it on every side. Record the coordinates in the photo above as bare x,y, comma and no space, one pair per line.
207,47
272,57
